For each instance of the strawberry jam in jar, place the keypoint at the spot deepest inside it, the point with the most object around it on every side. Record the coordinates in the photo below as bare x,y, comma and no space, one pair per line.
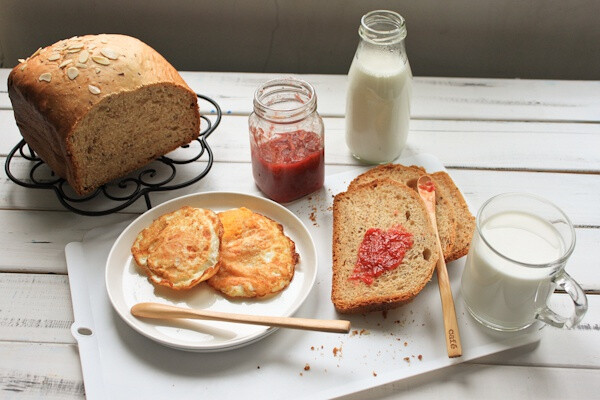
286,140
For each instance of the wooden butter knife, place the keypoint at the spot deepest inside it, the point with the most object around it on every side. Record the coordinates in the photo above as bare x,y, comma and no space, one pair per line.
165,311
426,188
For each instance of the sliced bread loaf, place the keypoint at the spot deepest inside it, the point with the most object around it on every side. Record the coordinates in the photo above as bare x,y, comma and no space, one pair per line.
444,207
97,107
465,221
383,204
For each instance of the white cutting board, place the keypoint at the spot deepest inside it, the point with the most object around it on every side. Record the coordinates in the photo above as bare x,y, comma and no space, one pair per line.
119,363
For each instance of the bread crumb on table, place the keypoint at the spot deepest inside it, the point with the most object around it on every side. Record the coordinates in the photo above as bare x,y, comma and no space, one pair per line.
360,333
337,351
313,216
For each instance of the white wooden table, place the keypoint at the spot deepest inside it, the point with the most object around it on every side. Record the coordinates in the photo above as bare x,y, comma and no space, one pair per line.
493,136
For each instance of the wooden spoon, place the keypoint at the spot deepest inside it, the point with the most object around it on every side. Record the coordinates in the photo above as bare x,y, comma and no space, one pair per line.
165,311
426,189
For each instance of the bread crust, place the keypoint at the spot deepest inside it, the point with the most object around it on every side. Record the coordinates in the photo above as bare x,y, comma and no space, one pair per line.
465,221
48,113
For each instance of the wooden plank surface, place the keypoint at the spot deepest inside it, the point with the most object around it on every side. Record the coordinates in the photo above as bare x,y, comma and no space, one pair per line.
29,320
33,371
28,324
576,194
433,97
480,381
36,239
40,371
25,315
502,145
494,136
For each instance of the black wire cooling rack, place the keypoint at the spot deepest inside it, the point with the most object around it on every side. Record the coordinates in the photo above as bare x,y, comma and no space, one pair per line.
161,175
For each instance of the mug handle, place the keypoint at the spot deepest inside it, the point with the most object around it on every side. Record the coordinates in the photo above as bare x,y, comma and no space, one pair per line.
568,284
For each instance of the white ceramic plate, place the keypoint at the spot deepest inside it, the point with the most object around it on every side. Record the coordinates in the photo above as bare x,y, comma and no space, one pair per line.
127,284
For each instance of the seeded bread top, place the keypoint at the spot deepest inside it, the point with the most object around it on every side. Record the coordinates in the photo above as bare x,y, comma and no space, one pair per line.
65,80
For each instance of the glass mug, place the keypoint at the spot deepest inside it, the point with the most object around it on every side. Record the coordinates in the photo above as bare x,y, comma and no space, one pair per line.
517,258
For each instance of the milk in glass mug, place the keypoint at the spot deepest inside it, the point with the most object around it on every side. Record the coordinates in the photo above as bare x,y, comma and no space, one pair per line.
517,258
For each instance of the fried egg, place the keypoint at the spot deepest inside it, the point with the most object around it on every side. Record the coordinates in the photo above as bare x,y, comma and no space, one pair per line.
180,249
257,258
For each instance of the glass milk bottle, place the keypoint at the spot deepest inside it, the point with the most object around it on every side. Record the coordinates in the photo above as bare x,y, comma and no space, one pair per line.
379,90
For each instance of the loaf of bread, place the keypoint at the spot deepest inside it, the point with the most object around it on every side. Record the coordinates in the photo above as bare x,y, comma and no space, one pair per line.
409,175
99,106
382,204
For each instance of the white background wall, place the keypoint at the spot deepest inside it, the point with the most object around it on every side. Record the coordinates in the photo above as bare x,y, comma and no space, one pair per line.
551,39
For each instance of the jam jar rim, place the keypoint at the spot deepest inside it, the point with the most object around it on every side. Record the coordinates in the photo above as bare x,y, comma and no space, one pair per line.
278,86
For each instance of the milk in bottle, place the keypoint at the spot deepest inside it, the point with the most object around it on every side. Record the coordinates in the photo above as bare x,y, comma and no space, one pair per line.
379,90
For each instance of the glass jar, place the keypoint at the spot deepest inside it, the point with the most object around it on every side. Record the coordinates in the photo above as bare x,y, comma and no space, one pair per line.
379,90
286,140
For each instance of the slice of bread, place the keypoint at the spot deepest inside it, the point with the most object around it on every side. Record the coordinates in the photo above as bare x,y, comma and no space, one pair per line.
465,221
381,203
409,175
